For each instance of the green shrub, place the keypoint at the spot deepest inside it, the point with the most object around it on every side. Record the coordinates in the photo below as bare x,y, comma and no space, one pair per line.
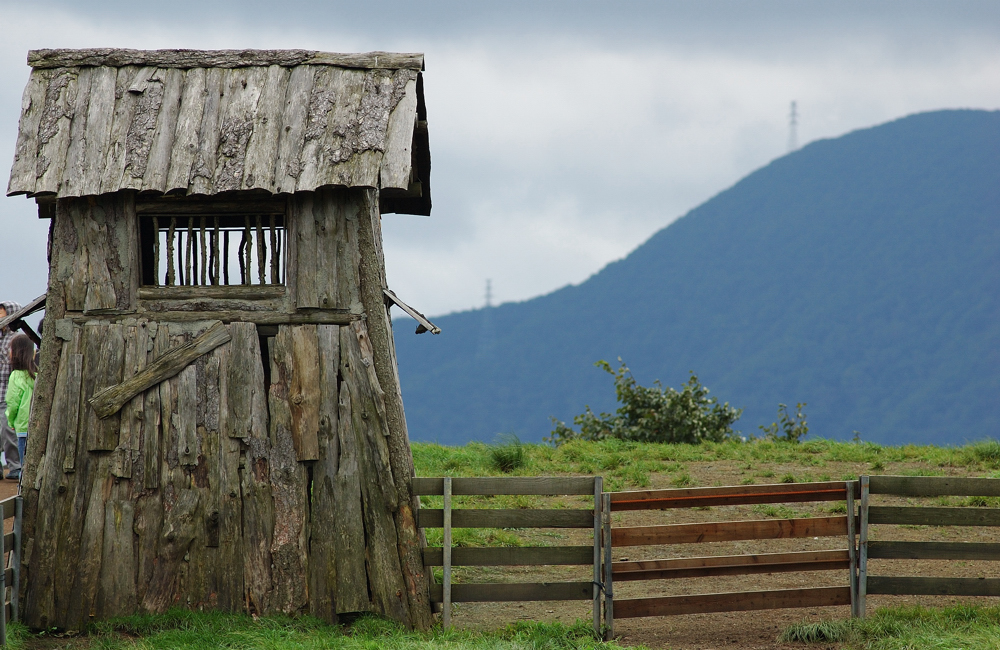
653,414
792,428
507,455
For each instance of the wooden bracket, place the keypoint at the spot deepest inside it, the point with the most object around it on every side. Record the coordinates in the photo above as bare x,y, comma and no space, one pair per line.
424,325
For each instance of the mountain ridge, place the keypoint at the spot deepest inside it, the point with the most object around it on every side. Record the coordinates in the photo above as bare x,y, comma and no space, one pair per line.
859,274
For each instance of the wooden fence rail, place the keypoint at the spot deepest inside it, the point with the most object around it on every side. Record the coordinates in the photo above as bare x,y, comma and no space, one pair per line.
10,577
449,518
837,559
926,486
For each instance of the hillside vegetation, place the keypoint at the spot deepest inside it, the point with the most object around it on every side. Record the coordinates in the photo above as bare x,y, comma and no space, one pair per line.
860,275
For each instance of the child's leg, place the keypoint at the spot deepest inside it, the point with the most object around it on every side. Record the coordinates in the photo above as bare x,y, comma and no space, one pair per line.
22,442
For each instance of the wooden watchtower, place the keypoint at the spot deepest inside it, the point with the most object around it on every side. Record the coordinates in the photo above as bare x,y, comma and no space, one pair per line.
217,420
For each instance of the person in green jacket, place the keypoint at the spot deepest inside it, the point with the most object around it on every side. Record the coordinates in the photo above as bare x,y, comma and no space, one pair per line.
19,390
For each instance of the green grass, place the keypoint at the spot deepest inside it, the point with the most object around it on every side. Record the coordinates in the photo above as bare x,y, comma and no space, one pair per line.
965,627
203,630
630,463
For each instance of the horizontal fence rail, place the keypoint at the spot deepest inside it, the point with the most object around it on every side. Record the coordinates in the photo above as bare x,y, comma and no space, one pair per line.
486,518
926,486
491,486
733,602
729,531
731,565
517,556
728,496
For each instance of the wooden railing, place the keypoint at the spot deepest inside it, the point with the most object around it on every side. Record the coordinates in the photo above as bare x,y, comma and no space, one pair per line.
449,518
10,577
926,486
837,559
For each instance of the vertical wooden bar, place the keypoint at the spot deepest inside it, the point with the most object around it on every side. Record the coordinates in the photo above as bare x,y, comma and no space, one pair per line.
187,252
225,257
248,251
609,593
15,560
156,250
281,275
274,253
241,254
261,253
204,251
446,605
215,252
598,524
863,560
192,254
852,548
171,275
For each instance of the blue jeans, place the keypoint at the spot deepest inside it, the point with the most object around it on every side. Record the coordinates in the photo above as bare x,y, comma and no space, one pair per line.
22,442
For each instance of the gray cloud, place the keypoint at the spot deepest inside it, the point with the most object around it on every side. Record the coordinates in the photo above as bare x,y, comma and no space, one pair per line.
563,134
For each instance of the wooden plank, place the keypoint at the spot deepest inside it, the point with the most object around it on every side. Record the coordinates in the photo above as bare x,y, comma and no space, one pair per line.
203,166
562,518
54,130
8,541
162,141
729,531
24,169
304,391
102,367
859,607
934,550
733,570
9,505
927,516
233,292
189,116
732,602
267,128
924,586
304,317
508,485
396,165
236,125
139,139
116,57
514,592
323,522
620,569
289,149
185,420
113,161
732,495
72,176
446,549
100,113
110,400
423,325
523,556
349,533
933,486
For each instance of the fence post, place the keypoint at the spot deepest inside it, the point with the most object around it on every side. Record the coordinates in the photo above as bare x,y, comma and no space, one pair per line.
446,587
863,548
609,595
852,549
3,590
598,523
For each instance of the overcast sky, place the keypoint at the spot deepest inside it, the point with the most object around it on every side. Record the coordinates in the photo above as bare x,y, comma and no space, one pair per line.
562,135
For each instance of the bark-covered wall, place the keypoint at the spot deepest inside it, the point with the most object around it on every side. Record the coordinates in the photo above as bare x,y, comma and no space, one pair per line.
270,475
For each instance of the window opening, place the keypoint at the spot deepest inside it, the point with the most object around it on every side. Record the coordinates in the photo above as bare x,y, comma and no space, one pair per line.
213,249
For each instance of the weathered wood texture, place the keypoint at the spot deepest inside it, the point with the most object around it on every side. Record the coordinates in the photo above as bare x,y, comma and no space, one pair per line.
564,555
729,531
432,518
933,516
734,602
731,565
114,57
924,586
172,124
515,592
490,486
718,496
934,550
94,260
933,486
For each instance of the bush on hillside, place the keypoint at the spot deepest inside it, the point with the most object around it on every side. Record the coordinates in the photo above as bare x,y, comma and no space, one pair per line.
652,414
790,427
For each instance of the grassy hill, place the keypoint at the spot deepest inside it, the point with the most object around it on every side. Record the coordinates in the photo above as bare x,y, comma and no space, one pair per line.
860,275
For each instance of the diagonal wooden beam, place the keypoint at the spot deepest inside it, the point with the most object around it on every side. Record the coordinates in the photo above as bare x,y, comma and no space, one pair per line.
110,400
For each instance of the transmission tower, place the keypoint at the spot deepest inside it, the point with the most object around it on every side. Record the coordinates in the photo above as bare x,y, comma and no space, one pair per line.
489,293
793,128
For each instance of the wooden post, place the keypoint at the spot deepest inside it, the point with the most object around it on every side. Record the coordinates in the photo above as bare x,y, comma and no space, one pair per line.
446,605
156,250
15,560
274,253
852,549
170,251
598,524
609,594
3,595
863,560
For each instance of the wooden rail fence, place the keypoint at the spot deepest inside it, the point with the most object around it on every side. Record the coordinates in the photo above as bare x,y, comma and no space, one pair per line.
826,560
449,518
10,576
926,486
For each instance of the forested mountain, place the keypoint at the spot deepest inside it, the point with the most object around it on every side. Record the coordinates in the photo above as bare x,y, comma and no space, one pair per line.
859,274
